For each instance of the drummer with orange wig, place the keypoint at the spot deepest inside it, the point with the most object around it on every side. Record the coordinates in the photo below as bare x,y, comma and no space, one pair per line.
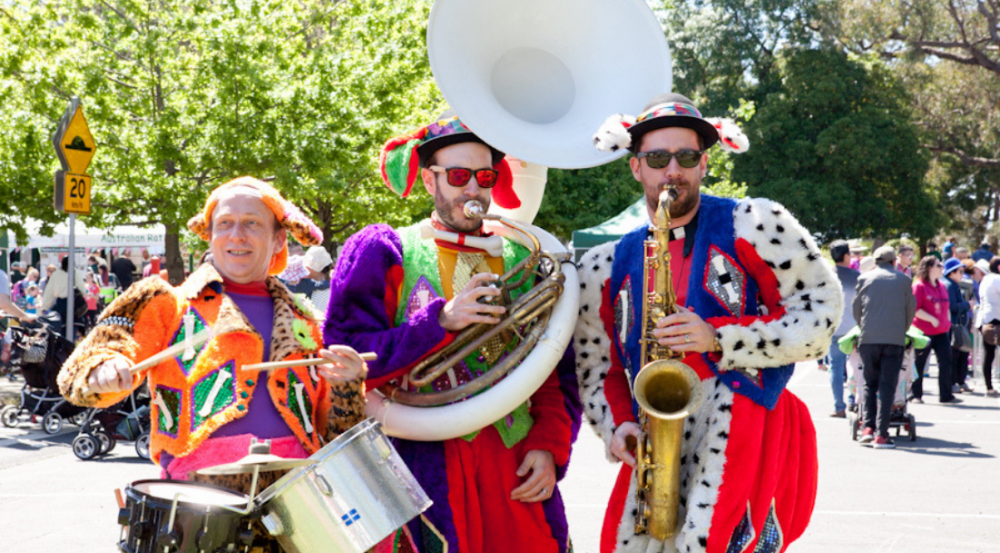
205,407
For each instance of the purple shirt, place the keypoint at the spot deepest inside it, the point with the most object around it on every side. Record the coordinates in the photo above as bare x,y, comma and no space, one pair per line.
262,419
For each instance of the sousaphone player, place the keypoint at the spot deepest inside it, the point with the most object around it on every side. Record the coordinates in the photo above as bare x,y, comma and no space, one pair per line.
404,296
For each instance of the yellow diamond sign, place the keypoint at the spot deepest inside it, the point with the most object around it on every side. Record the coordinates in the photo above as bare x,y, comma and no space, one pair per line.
73,142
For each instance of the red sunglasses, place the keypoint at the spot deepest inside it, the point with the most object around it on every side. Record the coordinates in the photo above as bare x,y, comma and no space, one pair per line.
460,176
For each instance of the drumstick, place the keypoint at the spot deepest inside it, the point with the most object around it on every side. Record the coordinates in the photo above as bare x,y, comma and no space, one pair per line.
172,351
275,365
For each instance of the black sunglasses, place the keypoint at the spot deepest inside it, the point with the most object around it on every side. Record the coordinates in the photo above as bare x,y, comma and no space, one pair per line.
460,176
659,159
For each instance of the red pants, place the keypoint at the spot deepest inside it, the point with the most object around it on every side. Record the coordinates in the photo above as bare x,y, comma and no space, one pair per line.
481,475
771,464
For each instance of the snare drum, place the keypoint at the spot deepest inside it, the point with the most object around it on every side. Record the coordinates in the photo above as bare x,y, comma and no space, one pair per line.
357,492
203,518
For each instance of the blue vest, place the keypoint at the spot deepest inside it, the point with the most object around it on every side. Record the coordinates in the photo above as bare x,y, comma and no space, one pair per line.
713,263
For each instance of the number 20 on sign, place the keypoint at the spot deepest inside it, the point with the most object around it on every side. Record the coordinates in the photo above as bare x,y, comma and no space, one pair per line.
72,193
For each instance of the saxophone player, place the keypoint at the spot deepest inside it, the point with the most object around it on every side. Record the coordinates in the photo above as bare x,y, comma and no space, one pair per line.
405,296
753,296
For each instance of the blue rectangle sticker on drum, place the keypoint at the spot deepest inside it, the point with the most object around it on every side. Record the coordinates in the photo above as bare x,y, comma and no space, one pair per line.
351,517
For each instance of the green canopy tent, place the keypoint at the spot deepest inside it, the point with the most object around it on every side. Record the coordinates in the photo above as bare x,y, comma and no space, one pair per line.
610,230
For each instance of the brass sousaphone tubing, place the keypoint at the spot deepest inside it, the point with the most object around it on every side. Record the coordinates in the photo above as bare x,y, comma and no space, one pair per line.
527,317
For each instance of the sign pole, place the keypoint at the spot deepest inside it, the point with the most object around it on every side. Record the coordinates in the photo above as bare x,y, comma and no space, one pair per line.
71,284
75,148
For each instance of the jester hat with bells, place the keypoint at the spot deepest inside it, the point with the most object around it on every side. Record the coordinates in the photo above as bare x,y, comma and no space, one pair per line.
669,110
403,156
289,217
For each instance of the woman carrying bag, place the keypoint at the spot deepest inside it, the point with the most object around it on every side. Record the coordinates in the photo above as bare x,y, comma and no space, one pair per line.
989,318
961,339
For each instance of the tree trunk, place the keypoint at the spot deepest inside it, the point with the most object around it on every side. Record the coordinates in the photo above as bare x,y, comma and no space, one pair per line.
174,261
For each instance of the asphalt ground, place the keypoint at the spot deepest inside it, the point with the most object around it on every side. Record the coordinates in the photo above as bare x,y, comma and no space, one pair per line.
940,493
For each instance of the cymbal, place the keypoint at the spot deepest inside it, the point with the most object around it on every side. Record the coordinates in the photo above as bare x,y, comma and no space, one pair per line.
265,461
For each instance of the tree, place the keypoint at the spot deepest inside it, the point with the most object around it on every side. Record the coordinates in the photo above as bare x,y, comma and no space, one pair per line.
183,96
834,145
723,50
581,198
949,54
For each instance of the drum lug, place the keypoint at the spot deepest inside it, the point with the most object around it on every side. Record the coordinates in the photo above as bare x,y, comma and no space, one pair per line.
168,542
324,486
273,524
245,537
141,530
124,516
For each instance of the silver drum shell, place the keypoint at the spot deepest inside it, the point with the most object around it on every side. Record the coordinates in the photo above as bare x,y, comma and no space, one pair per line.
357,492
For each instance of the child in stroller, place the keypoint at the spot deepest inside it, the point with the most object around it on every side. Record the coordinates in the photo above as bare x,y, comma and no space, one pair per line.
900,418
39,352
126,420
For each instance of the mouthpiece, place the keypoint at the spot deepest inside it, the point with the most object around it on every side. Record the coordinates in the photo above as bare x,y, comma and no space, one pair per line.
473,209
670,192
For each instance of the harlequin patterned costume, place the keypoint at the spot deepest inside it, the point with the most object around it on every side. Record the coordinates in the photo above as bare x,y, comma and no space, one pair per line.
194,398
386,294
196,394
749,467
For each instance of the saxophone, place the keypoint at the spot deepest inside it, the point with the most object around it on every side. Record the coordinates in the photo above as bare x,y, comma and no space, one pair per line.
666,390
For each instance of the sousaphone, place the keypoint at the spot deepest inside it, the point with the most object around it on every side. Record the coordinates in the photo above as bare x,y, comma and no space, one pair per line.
533,78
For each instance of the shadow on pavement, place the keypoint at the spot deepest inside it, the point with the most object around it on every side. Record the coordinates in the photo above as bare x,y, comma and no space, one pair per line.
939,447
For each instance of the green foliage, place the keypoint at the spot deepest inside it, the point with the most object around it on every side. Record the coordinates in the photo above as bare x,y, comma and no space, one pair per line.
724,50
182,96
719,181
581,198
833,143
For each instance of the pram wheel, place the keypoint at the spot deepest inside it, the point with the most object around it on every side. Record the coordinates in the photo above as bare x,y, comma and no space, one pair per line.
142,446
912,422
85,447
79,419
9,416
52,423
107,442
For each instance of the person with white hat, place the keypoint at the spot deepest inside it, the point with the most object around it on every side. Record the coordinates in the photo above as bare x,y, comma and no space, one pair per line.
857,249
316,286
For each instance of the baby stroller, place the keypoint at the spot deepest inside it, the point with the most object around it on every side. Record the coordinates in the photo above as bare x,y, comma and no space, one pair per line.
40,353
126,420
900,418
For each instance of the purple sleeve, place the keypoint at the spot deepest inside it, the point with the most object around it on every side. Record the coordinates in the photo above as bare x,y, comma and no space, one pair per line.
356,315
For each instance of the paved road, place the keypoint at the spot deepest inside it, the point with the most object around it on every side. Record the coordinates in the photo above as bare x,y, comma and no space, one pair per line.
939,493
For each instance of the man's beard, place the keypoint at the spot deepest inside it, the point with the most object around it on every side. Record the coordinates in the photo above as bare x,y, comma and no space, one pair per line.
451,213
683,205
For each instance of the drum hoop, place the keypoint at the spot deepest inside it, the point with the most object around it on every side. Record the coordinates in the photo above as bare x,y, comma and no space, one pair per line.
156,500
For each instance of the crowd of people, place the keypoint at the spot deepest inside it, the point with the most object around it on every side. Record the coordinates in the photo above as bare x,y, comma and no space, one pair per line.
27,294
946,299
